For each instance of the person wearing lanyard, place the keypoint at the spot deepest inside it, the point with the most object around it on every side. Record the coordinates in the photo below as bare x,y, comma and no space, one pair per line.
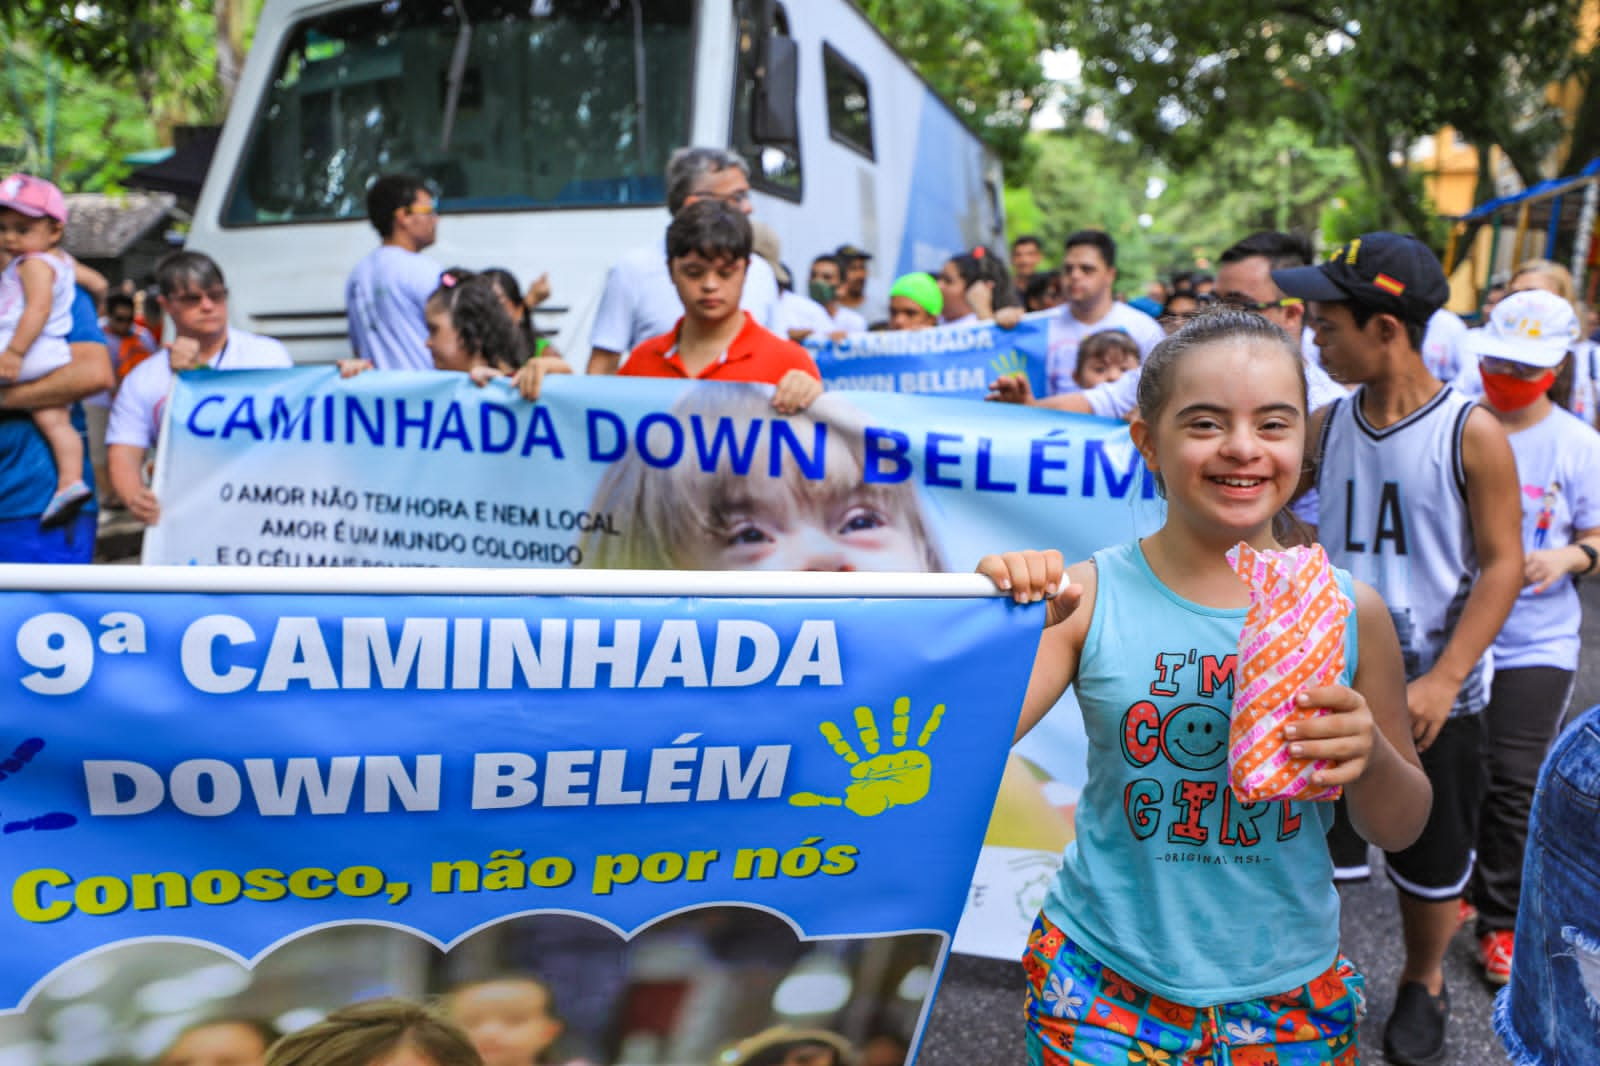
195,296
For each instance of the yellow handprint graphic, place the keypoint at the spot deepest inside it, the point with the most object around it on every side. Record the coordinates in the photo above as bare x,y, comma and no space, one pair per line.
1011,364
896,778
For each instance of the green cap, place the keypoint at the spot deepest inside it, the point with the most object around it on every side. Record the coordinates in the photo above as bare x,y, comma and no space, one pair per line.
922,290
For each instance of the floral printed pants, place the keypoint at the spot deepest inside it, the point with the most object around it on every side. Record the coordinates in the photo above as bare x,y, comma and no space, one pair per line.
1083,1013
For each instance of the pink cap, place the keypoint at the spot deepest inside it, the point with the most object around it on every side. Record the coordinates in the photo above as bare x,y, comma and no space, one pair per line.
34,197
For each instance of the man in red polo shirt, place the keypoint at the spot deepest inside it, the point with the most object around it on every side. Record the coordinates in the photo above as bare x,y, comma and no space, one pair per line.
708,250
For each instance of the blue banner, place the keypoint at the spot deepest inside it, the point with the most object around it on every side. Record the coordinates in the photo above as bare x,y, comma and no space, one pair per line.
949,361
263,774
301,468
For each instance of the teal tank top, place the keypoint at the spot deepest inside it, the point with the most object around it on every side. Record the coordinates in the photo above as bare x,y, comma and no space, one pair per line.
1172,881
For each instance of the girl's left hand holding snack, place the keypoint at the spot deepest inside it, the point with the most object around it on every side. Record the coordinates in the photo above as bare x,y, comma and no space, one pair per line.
1344,737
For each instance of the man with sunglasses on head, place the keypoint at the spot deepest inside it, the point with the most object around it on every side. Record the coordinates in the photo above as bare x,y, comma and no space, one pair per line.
387,290
1243,281
1088,272
195,297
640,300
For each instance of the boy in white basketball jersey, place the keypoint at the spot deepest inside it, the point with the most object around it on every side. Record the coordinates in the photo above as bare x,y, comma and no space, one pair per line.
1418,489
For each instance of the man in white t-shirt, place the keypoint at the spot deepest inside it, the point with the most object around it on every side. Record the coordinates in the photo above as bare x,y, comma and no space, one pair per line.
1088,272
639,300
387,290
194,295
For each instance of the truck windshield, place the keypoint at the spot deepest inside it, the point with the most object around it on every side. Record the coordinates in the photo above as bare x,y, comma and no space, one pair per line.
500,105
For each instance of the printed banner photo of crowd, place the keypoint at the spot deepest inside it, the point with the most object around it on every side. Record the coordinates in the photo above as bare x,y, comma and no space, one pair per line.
1437,484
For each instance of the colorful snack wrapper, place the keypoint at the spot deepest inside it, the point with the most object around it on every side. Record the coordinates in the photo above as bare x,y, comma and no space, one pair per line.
1293,639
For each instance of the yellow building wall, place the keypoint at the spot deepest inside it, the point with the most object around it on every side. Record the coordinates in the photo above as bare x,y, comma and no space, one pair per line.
1451,173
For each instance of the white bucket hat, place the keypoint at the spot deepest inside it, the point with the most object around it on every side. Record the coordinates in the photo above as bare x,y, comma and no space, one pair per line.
1532,327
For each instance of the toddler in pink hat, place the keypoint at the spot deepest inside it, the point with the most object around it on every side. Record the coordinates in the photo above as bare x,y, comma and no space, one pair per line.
36,292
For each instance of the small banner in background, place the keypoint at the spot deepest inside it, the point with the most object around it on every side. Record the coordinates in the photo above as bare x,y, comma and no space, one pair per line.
950,361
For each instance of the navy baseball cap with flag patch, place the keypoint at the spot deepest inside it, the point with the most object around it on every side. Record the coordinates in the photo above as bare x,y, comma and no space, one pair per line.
1393,273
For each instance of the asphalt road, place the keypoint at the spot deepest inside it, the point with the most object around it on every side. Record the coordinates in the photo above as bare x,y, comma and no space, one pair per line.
978,1015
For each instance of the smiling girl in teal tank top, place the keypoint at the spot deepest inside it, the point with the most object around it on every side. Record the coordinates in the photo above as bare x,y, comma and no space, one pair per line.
1186,925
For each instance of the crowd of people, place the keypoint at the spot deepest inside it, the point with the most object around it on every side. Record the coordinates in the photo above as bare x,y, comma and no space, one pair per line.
1451,475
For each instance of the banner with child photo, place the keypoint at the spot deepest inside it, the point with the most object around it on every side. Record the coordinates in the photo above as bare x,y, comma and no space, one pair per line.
233,790
303,468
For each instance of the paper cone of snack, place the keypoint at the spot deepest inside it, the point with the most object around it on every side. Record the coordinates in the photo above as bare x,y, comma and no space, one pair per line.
1293,639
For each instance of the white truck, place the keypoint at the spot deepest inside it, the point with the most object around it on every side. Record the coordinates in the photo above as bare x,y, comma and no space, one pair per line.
545,127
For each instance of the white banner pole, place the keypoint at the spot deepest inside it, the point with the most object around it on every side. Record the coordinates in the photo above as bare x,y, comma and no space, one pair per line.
407,581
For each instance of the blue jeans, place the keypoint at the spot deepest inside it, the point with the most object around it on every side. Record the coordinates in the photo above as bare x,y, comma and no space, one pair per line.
1549,1014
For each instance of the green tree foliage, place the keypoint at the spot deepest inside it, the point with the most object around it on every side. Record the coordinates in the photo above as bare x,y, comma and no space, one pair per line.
164,51
981,55
1370,74
1087,180
1278,178
1168,218
87,83
61,124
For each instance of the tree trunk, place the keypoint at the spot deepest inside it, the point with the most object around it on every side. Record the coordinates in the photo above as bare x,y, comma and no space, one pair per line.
1402,209
1397,208
1484,189
1524,160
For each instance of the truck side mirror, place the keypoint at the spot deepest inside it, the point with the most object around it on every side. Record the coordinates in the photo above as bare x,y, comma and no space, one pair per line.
775,118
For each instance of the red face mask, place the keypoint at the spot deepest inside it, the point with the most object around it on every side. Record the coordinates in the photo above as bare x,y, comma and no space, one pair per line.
1507,392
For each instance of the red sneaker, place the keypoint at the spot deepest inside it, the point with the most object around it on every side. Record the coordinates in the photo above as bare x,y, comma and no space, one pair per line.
1466,915
1494,951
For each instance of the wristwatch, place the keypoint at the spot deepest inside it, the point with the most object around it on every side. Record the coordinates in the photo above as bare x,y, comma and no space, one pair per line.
1594,558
